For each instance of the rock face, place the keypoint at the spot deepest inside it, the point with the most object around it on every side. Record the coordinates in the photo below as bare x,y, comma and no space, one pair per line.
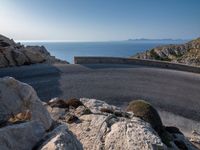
15,54
188,53
107,129
25,124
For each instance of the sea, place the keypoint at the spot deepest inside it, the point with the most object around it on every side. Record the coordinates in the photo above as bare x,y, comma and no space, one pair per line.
67,50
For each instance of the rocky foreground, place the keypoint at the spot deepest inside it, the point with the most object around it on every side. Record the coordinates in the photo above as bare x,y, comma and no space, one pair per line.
188,53
15,54
27,123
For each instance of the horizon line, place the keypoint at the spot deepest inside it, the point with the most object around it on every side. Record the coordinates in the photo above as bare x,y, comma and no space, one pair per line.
128,40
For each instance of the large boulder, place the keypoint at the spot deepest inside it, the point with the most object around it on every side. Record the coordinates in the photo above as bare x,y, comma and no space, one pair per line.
22,136
195,138
25,124
17,97
110,132
138,133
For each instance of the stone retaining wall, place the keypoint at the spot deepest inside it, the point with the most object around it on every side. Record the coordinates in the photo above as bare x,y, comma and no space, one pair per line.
135,61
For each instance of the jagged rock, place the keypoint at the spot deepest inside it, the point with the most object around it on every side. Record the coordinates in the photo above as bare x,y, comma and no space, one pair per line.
105,130
4,41
3,60
25,124
19,57
22,136
15,54
188,53
195,139
7,53
17,97
60,138
33,55
133,131
96,105
109,132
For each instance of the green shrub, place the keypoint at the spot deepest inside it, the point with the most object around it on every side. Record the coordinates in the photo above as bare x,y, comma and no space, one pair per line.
154,55
146,112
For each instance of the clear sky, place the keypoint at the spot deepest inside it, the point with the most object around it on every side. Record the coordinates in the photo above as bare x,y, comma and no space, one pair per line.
99,20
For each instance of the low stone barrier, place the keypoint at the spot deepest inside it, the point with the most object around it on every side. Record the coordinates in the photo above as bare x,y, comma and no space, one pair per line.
135,61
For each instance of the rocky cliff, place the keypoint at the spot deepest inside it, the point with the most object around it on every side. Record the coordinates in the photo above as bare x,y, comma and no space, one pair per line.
188,53
15,54
26,123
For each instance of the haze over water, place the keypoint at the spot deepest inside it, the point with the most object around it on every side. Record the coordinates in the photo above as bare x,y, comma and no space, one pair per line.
67,50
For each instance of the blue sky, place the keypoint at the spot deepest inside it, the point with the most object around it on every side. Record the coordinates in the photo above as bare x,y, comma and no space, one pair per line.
99,20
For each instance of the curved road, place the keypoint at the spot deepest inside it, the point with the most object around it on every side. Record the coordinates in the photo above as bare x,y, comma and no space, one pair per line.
169,90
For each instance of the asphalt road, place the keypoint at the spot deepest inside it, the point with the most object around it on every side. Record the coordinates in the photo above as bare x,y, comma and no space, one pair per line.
173,91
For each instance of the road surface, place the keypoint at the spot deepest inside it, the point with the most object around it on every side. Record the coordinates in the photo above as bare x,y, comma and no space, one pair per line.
173,91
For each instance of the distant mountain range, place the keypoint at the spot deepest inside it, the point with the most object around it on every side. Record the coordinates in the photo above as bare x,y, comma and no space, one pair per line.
160,40
188,53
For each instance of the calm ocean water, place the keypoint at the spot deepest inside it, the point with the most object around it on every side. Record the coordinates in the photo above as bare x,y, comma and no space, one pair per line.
67,50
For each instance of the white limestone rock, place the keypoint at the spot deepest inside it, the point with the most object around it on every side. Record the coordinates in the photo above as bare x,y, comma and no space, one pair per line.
96,105
109,132
17,97
60,139
132,134
100,130
22,136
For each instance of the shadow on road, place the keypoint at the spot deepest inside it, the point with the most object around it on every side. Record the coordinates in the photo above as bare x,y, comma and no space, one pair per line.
42,77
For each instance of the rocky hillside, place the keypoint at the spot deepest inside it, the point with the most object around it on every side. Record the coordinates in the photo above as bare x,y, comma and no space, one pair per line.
15,54
28,124
188,53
